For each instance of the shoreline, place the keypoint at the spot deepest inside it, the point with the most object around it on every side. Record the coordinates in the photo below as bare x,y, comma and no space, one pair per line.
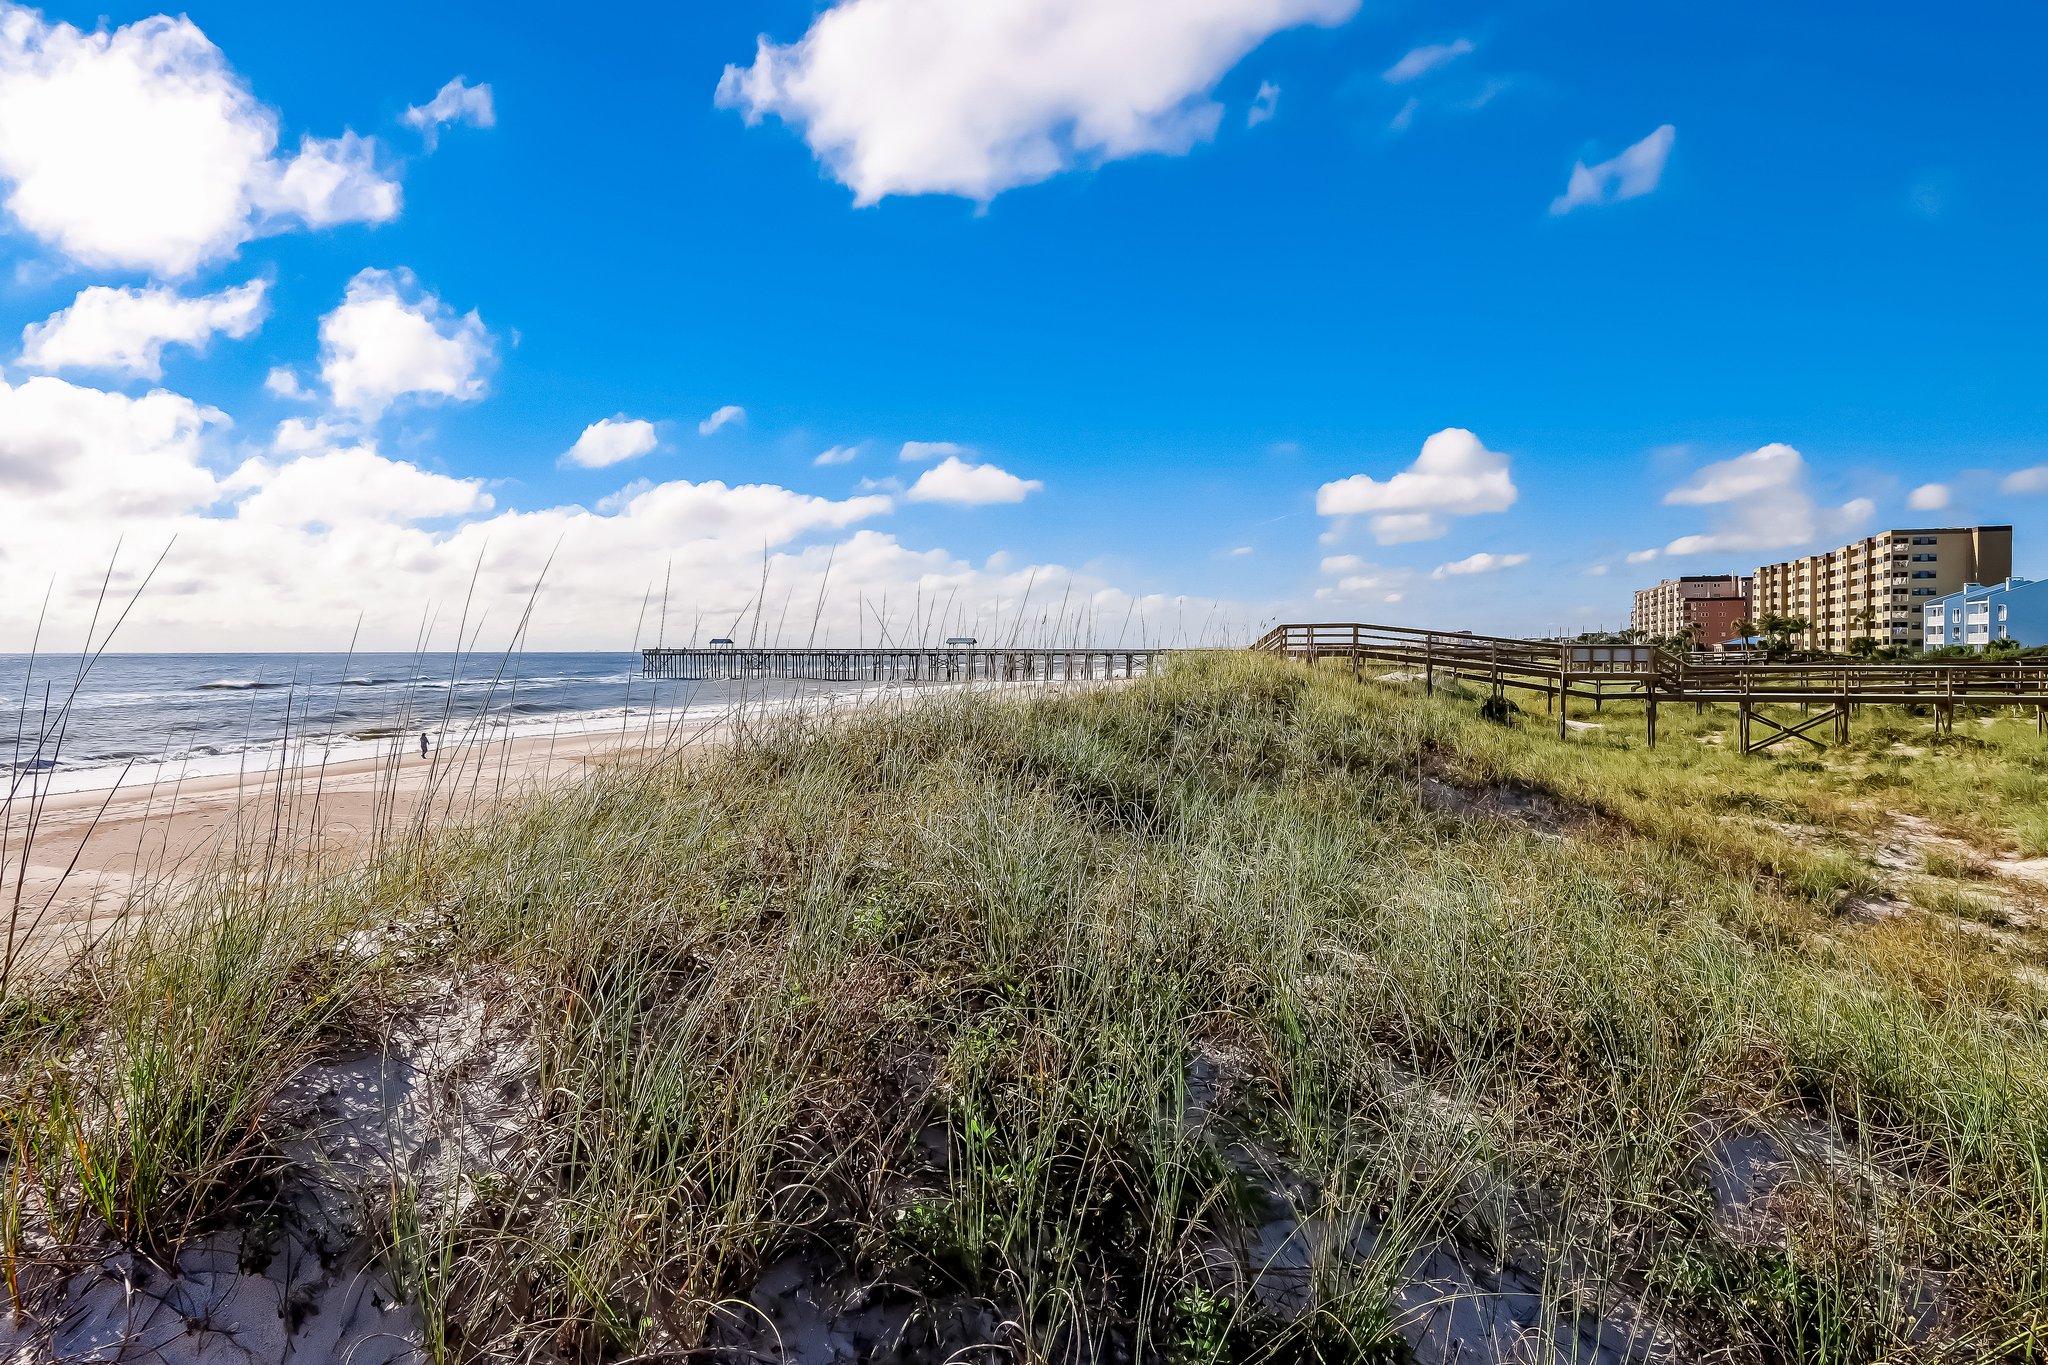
98,853
101,852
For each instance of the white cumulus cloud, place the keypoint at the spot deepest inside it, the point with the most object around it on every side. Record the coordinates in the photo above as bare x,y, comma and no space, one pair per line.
353,485
729,415
1928,497
1265,104
954,480
1632,174
73,457
140,148
1765,504
456,102
124,331
924,451
836,455
295,435
1478,563
390,339
2033,479
1642,556
332,180
1358,579
291,549
1420,61
939,97
610,441
1454,476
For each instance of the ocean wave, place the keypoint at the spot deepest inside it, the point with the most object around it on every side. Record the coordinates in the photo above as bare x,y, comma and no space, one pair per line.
238,685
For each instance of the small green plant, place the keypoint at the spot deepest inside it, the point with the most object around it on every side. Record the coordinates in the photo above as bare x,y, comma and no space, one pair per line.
1203,1321
1824,1308
874,920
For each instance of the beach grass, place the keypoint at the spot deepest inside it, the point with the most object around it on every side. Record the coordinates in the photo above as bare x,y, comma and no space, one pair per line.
1245,1012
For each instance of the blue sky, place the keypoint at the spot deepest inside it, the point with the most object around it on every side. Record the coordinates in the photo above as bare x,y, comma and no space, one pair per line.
1800,278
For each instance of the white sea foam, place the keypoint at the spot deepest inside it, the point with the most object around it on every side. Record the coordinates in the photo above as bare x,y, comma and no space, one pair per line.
263,759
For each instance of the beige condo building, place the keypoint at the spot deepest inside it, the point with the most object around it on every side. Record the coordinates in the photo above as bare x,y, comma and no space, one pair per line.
1880,585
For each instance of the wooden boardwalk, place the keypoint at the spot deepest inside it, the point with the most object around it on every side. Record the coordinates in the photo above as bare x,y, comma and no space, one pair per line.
1563,672
957,663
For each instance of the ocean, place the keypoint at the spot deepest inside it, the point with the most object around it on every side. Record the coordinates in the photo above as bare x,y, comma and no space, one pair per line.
155,717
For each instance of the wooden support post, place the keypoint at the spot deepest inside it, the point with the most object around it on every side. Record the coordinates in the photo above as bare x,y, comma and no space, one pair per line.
1429,665
1564,700
1742,725
1650,718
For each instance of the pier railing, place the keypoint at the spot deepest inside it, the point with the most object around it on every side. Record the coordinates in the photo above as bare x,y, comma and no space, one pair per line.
883,664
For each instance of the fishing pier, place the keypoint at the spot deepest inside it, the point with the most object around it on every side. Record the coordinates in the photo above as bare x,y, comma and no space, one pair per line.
946,663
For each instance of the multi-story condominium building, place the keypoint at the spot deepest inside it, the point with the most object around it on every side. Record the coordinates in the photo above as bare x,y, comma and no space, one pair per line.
1983,612
1880,586
1704,606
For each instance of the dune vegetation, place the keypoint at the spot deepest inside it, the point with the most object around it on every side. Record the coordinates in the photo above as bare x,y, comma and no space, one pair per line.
1246,1012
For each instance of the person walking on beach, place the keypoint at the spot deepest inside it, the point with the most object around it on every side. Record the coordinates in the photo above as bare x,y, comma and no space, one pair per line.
423,744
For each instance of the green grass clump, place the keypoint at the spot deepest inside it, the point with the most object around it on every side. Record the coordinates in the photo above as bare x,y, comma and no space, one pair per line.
141,1109
1057,1002
2030,832
1943,862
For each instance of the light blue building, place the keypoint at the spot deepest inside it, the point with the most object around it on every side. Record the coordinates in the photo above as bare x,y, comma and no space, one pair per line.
2016,609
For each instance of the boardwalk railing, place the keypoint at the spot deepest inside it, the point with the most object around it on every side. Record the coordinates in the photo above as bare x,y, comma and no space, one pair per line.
1566,671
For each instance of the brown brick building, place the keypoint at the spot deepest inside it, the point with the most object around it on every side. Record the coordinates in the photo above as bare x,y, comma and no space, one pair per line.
1706,606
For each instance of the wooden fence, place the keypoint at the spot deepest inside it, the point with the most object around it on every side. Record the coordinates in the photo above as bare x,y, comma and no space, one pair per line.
1562,671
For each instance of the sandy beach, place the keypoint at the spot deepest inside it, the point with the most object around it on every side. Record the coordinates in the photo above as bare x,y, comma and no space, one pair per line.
92,853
